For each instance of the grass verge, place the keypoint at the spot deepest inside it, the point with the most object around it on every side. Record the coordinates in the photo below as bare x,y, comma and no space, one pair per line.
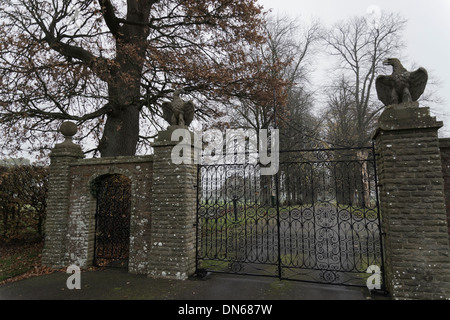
20,259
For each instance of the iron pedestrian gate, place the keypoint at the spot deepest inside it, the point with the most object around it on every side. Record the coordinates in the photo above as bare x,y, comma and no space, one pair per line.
316,220
112,220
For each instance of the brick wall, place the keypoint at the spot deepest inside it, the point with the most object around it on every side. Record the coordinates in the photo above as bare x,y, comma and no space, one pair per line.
70,225
412,205
163,209
445,158
172,250
81,228
62,156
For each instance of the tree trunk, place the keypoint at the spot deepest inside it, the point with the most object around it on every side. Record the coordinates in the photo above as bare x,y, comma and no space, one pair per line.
362,157
121,132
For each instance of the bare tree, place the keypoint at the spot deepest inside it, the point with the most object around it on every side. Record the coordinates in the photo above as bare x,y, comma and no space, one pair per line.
360,47
339,115
301,129
285,55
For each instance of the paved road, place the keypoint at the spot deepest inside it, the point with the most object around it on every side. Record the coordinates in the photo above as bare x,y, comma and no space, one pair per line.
117,284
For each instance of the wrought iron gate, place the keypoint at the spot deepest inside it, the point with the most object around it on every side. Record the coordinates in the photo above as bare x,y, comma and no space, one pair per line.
112,220
316,220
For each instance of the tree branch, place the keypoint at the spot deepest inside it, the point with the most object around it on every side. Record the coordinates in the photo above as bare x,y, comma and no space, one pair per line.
110,18
98,65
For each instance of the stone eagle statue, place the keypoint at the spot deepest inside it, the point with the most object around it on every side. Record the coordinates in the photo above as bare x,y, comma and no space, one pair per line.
178,112
402,85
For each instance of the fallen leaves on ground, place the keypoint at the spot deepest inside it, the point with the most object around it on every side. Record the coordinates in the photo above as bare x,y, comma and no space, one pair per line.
21,259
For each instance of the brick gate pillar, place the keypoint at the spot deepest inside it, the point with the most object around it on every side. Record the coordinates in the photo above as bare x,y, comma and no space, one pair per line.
62,155
444,145
412,203
174,200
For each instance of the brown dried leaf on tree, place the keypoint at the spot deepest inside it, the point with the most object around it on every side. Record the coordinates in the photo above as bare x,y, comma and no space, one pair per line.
109,64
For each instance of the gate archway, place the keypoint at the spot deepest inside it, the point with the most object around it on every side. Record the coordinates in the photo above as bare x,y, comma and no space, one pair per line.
112,220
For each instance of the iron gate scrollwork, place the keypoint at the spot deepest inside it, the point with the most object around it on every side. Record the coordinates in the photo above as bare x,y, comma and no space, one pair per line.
317,220
112,220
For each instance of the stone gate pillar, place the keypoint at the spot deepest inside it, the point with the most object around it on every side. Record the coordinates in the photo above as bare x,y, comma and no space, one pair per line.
412,202
444,146
62,155
174,196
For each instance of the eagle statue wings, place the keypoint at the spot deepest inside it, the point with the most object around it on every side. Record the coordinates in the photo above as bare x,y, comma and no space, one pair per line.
178,112
402,85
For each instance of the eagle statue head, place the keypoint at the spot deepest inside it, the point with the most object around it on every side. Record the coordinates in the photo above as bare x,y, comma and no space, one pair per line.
391,61
177,92
395,63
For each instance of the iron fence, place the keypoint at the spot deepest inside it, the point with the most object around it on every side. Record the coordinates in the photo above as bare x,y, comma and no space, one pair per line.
317,219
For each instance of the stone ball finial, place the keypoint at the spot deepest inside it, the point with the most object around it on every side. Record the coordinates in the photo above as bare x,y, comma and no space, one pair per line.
68,129
67,148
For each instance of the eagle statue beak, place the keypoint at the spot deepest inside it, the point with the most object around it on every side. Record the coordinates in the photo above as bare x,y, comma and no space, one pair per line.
386,62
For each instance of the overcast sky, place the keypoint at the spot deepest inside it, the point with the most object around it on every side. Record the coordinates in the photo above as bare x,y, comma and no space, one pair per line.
427,35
